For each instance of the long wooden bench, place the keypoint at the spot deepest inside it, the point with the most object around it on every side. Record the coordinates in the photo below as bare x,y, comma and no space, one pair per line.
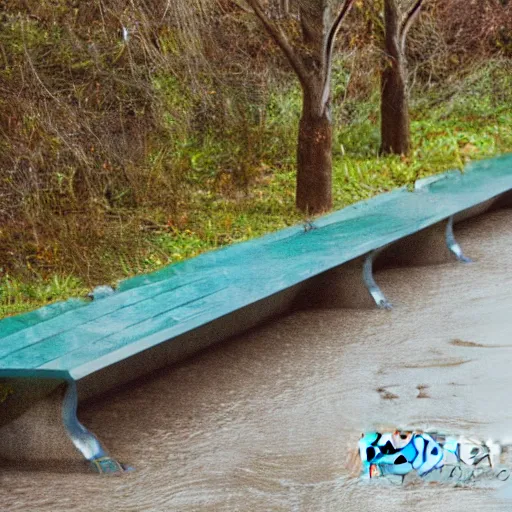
156,319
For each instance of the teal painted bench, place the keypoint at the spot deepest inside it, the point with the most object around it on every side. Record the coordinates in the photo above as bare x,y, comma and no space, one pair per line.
156,319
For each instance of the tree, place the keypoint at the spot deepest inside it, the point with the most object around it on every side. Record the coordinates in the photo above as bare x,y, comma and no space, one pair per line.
311,60
395,122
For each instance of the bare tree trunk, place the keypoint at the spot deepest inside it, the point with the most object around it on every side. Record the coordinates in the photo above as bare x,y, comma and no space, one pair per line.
314,150
395,122
312,62
285,7
314,153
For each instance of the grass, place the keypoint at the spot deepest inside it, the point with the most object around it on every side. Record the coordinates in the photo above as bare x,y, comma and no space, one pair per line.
18,296
466,120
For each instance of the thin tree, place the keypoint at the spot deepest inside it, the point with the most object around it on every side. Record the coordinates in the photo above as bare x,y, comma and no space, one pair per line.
311,60
395,121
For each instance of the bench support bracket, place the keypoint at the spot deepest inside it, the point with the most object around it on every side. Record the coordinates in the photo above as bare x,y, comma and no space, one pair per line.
85,441
453,245
371,285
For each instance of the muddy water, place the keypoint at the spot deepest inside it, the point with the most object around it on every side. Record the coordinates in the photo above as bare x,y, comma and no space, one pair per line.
269,421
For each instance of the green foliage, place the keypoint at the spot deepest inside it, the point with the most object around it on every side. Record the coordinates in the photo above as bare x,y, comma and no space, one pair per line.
17,296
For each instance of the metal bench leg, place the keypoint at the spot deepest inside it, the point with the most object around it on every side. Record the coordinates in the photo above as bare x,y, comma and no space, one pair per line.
371,285
85,441
453,245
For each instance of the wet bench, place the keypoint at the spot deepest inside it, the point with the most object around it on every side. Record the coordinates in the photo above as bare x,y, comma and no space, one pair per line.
154,320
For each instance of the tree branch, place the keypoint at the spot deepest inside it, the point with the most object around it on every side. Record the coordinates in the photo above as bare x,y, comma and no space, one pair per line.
408,22
331,39
285,7
280,38
242,7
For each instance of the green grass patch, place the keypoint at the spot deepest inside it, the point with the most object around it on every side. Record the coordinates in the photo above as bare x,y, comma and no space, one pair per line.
19,296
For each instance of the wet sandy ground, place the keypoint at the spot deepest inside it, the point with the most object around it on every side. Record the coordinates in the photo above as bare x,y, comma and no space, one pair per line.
270,420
